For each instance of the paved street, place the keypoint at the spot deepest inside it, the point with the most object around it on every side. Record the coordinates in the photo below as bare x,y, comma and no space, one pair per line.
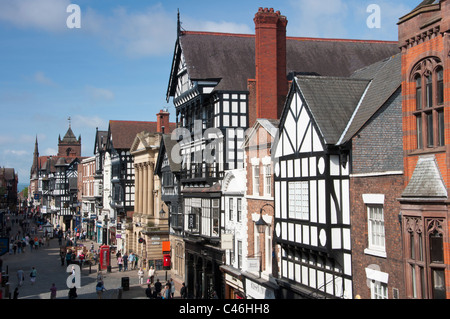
47,262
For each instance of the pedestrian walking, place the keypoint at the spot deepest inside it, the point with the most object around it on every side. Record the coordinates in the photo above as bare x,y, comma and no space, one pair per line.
131,261
158,287
20,277
15,248
166,294
172,288
125,262
148,291
151,274
141,276
120,262
53,290
99,289
16,293
73,293
183,291
33,275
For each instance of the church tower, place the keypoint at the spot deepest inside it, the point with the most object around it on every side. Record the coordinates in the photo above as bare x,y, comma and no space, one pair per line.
69,146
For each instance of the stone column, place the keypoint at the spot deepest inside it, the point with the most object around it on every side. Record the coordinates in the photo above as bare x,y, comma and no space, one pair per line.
145,190
141,183
151,207
136,187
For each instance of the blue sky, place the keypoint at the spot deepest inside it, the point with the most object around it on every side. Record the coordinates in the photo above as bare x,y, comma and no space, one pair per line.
117,65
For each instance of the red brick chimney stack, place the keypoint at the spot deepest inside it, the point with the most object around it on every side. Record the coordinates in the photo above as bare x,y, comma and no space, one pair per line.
162,121
270,59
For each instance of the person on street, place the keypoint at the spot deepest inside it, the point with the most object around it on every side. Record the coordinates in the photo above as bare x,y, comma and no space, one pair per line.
125,262
16,293
172,288
148,291
53,291
73,293
131,261
100,288
158,287
33,275
183,291
120,262
141,276
166,294
151,274
20,277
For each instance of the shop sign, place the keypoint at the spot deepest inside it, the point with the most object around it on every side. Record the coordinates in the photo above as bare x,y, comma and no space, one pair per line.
256,291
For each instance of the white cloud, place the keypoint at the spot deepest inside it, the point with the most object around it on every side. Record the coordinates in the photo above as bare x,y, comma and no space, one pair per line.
40,78
88,121
212,26
100,93
16,152
49,151
144,33
49,15
325,18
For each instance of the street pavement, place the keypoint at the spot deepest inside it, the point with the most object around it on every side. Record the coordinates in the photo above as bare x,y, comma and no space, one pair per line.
47,262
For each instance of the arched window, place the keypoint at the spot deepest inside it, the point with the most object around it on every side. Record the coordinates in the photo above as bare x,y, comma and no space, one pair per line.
429,88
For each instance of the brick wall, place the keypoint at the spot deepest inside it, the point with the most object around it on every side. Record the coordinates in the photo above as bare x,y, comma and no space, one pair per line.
391,187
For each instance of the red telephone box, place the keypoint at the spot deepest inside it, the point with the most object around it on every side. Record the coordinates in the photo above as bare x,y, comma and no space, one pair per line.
104,256
166,261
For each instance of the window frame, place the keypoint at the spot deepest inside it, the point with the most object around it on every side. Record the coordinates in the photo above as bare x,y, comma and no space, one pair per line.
429,110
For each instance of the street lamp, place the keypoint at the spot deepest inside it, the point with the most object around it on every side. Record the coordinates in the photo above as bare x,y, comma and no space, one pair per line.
261,228
261,224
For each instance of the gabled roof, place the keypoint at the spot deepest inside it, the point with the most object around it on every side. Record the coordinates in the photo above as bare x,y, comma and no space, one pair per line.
386,79
341,106
100,140
123,133
166,147
230,58
331,102
270,125
49,163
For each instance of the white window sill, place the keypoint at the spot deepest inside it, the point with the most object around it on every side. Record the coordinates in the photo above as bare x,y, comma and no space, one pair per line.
376,253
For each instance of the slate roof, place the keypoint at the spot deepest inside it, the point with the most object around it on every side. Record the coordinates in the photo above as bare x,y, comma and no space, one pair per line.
332,101
426,3
351,101
124,132
49,163
166,146
386,79
100,139
231,57
7,173
69,138
426,180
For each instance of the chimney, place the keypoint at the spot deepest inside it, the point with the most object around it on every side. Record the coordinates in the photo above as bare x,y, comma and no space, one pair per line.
270,59
162,121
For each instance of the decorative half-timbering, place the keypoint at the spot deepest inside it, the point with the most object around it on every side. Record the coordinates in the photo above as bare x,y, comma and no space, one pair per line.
312,212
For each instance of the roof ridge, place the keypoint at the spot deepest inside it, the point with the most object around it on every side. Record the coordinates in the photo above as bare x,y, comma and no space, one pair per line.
246,35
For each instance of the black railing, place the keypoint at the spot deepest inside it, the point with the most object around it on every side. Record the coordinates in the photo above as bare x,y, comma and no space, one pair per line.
202,171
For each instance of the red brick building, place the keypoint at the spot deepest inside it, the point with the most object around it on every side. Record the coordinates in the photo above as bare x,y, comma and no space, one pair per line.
424,40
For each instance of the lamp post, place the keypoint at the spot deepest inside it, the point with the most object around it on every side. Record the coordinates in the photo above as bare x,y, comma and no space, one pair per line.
261,228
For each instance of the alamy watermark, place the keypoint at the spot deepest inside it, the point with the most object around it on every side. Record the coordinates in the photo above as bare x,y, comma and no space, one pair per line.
374,19
74,19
